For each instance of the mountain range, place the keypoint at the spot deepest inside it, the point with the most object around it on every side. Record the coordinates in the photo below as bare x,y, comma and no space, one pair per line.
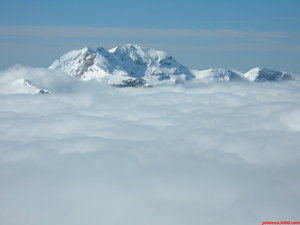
125,66
134,66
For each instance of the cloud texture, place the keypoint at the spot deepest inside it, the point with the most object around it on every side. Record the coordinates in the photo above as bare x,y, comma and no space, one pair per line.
216,153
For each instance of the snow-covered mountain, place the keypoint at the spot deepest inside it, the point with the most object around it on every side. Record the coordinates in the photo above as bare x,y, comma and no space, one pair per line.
217,74
254,75
262,74
22,86
129,65
133,66
99,65
151,65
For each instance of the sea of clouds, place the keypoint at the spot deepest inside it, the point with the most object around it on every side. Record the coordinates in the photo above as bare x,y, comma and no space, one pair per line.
193,154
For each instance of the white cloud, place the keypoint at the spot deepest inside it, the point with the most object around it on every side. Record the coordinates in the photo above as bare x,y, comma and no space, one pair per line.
195,154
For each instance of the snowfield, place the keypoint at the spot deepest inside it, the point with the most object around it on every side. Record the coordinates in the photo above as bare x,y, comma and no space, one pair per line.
198,153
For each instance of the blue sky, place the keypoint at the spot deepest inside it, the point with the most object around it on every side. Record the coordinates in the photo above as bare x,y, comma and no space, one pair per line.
201,34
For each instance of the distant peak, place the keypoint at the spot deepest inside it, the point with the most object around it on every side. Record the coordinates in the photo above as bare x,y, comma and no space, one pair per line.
141,51
135,48
255,69
263,74
261,69
132,46
83,50
87,49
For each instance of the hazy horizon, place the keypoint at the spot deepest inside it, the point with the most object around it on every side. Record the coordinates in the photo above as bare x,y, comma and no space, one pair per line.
200,34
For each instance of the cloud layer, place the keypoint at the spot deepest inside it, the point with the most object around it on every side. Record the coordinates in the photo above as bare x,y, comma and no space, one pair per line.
195,154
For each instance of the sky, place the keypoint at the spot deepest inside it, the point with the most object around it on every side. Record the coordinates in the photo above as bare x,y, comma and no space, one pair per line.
236,34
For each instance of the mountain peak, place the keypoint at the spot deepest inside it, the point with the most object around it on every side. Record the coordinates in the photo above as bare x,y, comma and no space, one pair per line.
152,65
218,74
137,50
260,74
132,46
23,86
87,49
129,61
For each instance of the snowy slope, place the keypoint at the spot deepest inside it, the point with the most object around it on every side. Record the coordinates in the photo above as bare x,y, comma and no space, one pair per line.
262,74
153,66
216,74
99,65
255,75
